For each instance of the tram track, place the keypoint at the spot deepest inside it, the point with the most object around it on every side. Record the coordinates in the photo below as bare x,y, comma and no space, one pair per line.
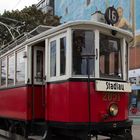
4,135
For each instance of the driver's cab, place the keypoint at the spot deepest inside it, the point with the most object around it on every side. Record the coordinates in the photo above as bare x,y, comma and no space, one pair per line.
78,51
99,52
105,54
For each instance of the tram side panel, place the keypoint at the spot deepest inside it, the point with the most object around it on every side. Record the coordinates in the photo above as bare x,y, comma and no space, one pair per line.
57,102
14,103
38,102
18,104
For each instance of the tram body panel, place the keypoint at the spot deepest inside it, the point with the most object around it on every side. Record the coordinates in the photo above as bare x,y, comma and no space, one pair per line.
37,101
68,102
57,105
17,103
101,101
14,103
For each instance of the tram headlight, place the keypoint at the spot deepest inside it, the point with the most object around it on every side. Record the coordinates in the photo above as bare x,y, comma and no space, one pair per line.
113,110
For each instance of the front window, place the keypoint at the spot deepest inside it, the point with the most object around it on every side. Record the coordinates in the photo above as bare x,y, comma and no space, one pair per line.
110,57
83,52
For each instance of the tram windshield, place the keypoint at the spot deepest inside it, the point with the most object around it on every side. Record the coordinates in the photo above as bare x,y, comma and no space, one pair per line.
110,57
83,52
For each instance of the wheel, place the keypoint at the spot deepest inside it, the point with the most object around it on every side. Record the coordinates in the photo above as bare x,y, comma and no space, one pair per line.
17,132
128,136
12,135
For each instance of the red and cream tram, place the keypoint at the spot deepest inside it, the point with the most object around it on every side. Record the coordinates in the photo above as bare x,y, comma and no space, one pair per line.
68,80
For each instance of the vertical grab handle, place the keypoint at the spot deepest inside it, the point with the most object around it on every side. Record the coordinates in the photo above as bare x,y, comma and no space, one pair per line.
96,53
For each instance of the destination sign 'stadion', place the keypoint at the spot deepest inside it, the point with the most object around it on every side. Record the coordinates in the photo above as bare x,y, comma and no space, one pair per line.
112,86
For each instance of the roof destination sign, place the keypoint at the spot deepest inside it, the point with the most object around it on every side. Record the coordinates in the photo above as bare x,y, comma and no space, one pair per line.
110,86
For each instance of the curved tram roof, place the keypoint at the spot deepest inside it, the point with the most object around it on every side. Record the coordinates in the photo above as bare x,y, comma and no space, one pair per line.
40,33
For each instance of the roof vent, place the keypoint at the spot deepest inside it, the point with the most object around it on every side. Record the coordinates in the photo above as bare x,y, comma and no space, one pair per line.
98,16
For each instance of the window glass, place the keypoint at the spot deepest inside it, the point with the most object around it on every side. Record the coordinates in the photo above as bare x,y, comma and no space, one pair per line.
110,57
3,72
53,58
20,67
83,52
39,66
11,69
63,56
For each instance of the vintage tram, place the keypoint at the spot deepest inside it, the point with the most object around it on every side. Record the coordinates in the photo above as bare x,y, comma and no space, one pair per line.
67,81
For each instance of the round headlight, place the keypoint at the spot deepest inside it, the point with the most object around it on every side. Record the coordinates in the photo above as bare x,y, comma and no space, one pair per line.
113,110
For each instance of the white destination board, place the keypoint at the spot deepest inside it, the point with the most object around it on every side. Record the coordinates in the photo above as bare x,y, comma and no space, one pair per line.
110,86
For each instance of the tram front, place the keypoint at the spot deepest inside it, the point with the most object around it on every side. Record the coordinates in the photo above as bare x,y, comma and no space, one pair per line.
99,88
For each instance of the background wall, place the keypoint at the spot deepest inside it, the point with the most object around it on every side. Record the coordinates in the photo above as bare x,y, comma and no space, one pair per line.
137,14
79,10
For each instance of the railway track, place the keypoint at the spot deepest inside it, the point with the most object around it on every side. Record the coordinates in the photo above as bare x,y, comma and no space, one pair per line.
4,135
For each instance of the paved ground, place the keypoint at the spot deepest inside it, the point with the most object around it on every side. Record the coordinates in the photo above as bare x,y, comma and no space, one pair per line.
136,134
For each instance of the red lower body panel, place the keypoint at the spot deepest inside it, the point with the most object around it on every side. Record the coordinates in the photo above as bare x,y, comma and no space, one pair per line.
19,103
68,102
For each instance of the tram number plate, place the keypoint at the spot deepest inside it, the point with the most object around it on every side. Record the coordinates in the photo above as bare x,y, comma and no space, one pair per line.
111,97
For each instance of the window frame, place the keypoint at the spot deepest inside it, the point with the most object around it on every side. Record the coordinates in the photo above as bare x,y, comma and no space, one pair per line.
21,82
5,56
97,52
11,54
58,76
38,48
56,60
123,49
108,76
5,85
65,53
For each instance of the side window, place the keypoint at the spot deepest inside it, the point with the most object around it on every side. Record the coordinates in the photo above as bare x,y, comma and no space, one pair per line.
3,72
20,67
53,59
63,56
11,69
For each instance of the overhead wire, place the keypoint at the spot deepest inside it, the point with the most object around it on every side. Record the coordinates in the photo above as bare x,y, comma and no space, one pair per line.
18,2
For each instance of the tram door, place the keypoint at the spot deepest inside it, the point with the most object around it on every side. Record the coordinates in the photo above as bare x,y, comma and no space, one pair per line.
39,65
38,81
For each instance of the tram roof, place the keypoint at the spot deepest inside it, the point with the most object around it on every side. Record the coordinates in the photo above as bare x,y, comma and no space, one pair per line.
51,30
80,23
